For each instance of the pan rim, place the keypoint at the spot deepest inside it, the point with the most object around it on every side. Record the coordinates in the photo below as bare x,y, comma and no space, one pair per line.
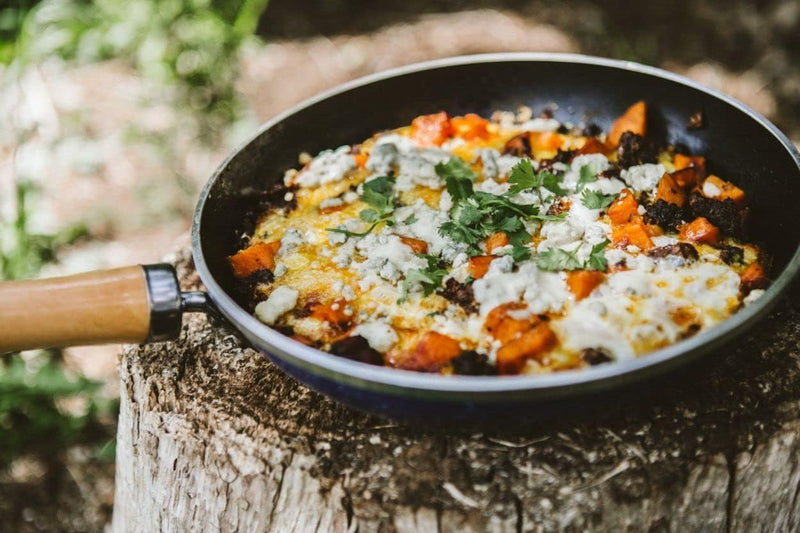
372,377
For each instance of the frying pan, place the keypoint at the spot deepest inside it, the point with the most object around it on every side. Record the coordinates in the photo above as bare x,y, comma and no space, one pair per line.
144,304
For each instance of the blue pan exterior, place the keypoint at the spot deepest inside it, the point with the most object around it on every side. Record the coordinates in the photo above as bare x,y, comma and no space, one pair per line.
738,143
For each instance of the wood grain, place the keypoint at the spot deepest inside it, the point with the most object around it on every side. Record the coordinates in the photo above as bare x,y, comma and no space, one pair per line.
212,437
92,308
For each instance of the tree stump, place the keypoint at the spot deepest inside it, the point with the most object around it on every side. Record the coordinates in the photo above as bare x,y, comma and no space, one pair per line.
212,437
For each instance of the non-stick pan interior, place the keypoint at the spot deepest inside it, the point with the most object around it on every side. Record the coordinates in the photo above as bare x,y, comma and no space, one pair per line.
737,145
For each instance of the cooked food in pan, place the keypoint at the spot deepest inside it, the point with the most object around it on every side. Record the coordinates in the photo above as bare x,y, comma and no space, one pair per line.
465,245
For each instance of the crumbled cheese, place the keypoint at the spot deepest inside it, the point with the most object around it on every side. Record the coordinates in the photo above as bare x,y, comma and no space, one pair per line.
541,124
710,190
387,256
379,335
280,301
753,296
489,157
327,167
543,291
292,238
643,177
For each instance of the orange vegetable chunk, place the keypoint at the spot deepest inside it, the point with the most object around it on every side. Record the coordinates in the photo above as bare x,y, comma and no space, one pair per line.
682,161
331,312
686,177
700,230
634,120
634,232
726,190
593,146
496,240
581,283
418,246
669,191
361,160
547,141
753,277
432,352
511,357
479,265
260,256
431,130
501,324
624,209
470,126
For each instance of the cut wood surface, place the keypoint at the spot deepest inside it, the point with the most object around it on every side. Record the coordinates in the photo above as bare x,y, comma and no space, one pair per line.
212,437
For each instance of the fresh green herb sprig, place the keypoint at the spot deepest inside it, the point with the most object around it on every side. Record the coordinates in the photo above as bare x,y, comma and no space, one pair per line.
377,193
587,176
430,278
556,259
596,200
522,177
476,214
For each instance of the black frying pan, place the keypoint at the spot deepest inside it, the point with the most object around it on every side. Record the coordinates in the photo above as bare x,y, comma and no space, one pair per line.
737,142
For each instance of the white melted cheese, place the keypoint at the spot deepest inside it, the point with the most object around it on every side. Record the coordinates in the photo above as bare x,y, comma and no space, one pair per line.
386,256
643,177
542,291
379,335
329,166
280,301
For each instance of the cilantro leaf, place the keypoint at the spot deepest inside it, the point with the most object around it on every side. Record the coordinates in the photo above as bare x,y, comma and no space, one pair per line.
596,200
455,167
379,194
430,278
597,258
587,177
556,259
522,177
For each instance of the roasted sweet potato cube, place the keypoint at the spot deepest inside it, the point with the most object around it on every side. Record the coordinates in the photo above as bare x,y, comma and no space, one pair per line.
753,277
431,130
332,312
686,177
700,230
511,357
719,189
634,232
669,191
470,126
545,141
479,265
698,162
593,146
432,352
496,240
507,321
634,120
361,160
624,209
418,246
581,283
519,145
259,256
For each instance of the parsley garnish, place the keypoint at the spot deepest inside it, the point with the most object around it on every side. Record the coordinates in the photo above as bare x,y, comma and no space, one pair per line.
522,177
377,193
457,168
596,200
476,214
587,177
597,258
558,259
430,278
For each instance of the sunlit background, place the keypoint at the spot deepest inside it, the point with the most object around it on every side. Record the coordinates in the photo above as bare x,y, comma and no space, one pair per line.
115,112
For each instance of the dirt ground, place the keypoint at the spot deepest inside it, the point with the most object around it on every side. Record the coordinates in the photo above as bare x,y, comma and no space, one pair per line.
107,149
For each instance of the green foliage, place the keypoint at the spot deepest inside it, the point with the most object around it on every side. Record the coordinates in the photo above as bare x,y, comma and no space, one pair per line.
522,178
31,419
192,45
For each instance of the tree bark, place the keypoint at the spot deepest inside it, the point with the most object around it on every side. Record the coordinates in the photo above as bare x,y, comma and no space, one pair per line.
212,437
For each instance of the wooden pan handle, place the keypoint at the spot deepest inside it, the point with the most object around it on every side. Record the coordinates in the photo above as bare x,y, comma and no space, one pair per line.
93,308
